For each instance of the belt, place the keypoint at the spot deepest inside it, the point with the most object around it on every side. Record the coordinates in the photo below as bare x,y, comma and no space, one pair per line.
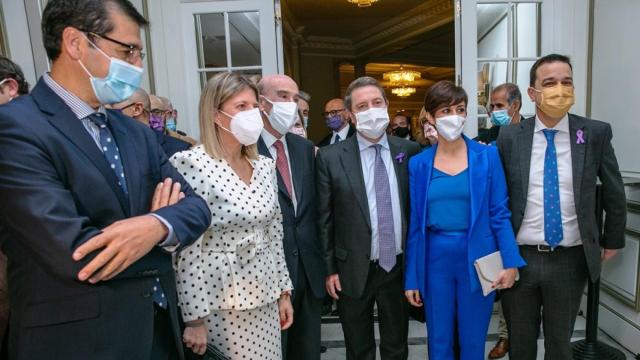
545,248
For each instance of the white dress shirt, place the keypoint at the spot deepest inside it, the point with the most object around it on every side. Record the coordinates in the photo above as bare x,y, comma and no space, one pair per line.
368,157
269,141
344,133
532,229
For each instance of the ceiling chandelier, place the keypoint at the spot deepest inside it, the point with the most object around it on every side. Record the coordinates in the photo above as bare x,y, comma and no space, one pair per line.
403,91
362,3
401,77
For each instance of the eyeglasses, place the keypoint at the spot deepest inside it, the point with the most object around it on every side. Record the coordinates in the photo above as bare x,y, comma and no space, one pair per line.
131,55
332,112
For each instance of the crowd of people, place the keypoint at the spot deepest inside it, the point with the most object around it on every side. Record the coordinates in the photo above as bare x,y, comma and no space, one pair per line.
124,238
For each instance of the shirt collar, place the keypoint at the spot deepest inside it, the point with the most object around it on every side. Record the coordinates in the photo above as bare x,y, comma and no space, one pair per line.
80,108
364,144
269,139
562,126
344,132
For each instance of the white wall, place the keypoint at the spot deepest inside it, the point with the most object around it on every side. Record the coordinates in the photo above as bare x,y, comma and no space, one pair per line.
615,92
616,75
18,39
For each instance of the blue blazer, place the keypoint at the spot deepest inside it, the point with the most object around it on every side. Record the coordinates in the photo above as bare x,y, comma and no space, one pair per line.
490,229
57,192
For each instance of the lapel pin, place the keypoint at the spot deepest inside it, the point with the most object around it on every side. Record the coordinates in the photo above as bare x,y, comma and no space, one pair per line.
580,137
400,157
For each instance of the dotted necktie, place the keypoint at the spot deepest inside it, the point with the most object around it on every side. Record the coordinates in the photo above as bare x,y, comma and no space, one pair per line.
112,154
386,233
337,140
552,211
282,164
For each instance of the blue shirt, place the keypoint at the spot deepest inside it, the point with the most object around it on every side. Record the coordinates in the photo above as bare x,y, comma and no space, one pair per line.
448,201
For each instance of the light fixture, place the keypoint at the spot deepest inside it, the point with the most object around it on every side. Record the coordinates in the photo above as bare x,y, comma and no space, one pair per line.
403,91
362,3
401,77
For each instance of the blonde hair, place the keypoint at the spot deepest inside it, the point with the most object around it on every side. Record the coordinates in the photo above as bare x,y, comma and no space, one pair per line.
420,137
216,92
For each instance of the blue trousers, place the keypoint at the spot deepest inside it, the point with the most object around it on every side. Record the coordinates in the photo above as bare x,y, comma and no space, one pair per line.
449,300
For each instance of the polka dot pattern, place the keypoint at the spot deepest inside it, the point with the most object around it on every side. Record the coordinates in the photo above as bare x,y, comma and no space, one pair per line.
235,272
552,217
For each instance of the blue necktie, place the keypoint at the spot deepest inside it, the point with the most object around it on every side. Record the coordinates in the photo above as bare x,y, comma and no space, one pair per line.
112,154
337,140
386,233
552,211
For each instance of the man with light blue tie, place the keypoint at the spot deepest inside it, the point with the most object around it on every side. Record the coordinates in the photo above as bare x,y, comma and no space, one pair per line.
362,192
552,162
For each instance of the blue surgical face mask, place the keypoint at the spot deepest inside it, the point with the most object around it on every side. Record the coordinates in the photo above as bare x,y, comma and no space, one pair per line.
120,83
500,117
171,124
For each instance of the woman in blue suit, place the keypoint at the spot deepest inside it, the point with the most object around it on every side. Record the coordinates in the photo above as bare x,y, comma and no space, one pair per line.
459,213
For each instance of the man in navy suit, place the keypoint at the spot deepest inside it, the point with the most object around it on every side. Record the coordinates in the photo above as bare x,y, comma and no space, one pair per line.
295,161
90,273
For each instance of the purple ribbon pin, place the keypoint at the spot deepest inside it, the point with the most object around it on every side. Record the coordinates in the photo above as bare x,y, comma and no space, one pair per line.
579,137
400,157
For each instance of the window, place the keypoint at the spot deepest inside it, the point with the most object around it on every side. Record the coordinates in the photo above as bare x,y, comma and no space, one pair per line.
508,45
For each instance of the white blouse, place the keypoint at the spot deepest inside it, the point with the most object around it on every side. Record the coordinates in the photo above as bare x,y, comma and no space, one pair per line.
238,263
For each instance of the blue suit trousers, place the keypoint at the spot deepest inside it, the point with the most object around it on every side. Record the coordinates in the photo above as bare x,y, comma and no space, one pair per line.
449,300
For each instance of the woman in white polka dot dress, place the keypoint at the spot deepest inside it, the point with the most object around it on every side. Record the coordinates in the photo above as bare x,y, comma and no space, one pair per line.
233,284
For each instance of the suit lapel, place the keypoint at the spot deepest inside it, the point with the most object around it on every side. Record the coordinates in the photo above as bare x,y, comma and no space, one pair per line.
578,152
478,170
352,166
296,163
65,121
524,145
401,176
263,150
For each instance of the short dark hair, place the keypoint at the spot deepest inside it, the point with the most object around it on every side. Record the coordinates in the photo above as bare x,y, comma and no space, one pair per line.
11,70
358,83
547,59
442,94
512,91
85,15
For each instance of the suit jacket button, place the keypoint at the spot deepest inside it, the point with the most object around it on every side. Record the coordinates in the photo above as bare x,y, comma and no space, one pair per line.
295,252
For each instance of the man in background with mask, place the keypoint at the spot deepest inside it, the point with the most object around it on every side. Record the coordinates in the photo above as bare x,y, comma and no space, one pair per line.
362,186
12,85
552,162
89,254
504,109
295,163
303,107
400,126
338,121
171,122
137,107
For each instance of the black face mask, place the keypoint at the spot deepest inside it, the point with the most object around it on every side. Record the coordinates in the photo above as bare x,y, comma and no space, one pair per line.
400,132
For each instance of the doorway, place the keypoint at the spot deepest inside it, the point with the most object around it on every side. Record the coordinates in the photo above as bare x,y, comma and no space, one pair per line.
327,44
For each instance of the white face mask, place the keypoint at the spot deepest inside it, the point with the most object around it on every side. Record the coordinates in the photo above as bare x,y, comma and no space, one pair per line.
373,122
450,127
246,126
283,115
298,130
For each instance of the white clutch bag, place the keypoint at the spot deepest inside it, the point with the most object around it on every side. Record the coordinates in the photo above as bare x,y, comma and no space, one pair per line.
488,268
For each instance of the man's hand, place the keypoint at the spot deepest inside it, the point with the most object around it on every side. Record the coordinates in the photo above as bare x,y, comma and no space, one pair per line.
122,244
332,283
607,254
167,193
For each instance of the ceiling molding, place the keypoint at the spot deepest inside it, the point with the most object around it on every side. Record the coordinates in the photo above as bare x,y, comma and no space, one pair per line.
432,14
